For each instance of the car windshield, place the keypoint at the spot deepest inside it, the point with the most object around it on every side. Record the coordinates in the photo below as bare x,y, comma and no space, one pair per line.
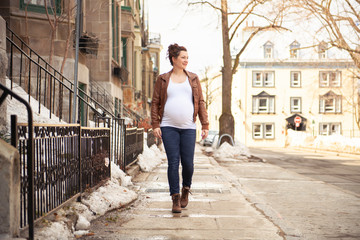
212,133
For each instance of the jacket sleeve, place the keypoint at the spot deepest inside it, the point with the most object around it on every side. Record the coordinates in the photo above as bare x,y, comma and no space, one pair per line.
155,104
203,116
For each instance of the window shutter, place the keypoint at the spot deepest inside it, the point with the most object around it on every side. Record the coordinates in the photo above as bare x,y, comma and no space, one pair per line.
322,106
255,108
338,105
271,105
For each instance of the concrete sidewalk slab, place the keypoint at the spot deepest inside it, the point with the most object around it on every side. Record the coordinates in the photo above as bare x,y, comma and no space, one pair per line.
216,210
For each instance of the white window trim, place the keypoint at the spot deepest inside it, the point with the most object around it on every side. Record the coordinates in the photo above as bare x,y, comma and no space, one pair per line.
263,134
262,82
292,106
292,78
335,108
326,82
270,105
329,126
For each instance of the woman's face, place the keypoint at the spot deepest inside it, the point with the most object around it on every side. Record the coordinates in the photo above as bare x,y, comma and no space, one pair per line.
181,61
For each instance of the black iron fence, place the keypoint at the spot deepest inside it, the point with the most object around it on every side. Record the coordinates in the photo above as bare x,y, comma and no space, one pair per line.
151,139
134,144
67,160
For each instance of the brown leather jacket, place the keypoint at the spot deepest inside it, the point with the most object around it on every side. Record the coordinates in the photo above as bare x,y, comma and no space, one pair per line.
160,95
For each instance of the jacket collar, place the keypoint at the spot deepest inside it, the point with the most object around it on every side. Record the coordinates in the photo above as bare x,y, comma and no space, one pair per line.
166,76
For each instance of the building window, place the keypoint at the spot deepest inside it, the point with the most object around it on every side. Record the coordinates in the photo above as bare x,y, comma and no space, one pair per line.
330,103
263,103
115,31
330,79
268,50
263,130
322,50
294,50
295,104
124,53
295,79
39,6
263,79
117,107
330,129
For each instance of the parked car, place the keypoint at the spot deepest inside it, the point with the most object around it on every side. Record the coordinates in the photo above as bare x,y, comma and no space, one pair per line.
209,140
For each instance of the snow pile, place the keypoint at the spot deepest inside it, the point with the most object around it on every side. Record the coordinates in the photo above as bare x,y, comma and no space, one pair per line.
109,197
299,138
337,143
75,219
150,158
239,151
117,173
56,231
14,107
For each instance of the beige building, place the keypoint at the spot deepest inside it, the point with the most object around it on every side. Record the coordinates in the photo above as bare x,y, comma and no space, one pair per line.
281,85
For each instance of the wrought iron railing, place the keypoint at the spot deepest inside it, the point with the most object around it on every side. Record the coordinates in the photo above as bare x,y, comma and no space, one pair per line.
134,144
151,139
67,160
27,153
45,84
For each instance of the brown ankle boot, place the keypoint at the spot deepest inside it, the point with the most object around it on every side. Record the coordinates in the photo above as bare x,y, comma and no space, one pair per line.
184,196
176,208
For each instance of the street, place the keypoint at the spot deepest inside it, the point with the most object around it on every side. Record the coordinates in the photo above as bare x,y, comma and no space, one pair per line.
341,171
308,195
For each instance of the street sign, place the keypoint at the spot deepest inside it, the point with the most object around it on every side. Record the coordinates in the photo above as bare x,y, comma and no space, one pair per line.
297,119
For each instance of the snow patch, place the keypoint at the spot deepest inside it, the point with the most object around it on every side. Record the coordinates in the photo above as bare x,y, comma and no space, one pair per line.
239,151
150,158
336,143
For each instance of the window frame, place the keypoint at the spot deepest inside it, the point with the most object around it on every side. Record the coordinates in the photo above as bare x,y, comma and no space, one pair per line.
329,126
262,134
268,45
292,79
115,32
270,105
322,50
262,81
336,106
292,105
328,82
295,50
40,8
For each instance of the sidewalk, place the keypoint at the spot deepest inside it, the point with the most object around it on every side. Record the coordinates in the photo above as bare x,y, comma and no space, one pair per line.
217,209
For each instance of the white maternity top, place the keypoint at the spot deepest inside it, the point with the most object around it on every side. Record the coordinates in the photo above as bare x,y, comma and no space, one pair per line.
179,106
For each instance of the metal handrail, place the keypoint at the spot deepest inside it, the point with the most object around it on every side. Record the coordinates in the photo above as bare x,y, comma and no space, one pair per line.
30,155
53,75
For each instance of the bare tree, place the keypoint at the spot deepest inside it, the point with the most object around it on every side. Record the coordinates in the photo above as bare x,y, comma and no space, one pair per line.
340,23
226,121
340,20
210,91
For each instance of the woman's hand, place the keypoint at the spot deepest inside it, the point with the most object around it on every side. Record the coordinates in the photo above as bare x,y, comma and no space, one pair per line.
157,133
204,133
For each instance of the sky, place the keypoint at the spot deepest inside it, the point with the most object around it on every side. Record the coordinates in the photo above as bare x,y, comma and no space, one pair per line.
197,28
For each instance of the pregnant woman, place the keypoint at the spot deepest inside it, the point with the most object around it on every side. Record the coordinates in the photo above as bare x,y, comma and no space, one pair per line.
177,101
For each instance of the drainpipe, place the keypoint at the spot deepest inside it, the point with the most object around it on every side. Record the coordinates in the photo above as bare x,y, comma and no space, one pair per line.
78,10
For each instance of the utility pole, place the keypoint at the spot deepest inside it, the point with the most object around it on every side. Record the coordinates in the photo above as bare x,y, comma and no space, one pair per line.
78,11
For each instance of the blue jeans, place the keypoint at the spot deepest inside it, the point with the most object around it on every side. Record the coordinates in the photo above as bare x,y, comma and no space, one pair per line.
179,144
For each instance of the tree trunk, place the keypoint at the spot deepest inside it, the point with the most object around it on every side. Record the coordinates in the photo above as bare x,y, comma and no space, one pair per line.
226,121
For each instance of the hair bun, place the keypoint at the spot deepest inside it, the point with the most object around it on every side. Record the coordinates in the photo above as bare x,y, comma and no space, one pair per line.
174,51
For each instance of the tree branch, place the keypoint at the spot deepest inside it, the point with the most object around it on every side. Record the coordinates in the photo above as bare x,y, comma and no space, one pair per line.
205,2
259,29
